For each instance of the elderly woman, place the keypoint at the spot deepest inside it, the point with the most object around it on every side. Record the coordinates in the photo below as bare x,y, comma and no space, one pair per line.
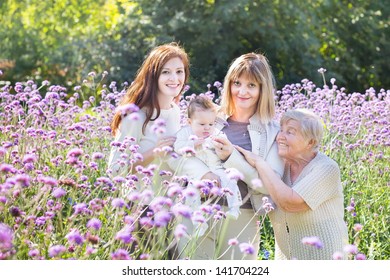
308,221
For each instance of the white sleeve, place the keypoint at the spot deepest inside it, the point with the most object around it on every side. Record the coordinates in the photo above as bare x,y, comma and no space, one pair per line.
127,128
183,140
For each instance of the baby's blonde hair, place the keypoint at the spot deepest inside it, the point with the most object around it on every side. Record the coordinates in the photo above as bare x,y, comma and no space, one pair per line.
200,103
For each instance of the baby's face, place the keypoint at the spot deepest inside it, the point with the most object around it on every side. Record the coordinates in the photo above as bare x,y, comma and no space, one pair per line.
202,123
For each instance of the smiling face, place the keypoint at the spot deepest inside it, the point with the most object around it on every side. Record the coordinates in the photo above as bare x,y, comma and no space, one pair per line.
245,93
202,123
291,142
170,81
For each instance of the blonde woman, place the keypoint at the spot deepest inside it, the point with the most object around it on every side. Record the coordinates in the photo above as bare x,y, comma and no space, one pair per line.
246,118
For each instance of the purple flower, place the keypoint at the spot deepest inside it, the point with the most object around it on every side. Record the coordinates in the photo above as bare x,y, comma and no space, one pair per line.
187,151
146,222
321,70
80,208
198,217
120,254
174,190
134,196
181,210
233,242
15,211
5,168
186,88
48,181
357,227
56,250
267,206
90,250
58,192
29,158
350,249
234,174
162,218
74,237
217,84
33,253
144,257
94,223
75,152
2,151
119,180
129,220
127,109
118,203
158,127
180,231
23,180
125,235
313,241
338,256
360,257
6,237
247,248
97,155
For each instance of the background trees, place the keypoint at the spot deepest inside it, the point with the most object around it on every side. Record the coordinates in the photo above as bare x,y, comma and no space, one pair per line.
63,40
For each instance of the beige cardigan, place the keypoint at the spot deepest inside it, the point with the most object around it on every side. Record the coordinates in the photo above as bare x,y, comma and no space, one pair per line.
319,184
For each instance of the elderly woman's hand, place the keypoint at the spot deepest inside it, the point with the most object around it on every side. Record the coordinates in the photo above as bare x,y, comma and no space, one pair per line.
250,157
223,147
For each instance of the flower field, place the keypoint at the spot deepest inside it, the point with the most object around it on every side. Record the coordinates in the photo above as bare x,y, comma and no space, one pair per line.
58,200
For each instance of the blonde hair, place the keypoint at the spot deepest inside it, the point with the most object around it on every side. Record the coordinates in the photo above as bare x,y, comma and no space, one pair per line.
311,125
256,66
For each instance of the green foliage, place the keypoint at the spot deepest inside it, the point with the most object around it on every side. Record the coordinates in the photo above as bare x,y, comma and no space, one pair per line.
63,40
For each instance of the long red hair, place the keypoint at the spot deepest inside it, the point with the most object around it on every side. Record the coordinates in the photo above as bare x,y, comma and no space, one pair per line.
143,91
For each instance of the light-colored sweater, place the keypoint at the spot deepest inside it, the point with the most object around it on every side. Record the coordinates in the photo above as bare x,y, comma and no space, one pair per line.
146,141
205,152
195,168
319,185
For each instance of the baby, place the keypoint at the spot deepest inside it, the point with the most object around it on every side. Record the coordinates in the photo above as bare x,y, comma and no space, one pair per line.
202,114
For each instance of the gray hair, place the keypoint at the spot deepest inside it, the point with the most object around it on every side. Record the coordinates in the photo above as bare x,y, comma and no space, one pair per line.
312,127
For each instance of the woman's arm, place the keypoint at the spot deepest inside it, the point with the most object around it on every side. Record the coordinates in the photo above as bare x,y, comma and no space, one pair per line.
130,128
284,196
127,129
157,151
233,159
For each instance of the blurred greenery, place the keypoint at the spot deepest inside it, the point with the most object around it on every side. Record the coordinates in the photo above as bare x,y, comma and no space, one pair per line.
63,40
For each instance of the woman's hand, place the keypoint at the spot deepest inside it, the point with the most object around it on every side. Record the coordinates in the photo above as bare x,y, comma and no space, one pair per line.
250,157
223,147
166,141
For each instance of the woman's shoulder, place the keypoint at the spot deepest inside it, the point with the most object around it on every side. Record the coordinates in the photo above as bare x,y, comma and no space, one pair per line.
273,124
324,160
173,110
140,115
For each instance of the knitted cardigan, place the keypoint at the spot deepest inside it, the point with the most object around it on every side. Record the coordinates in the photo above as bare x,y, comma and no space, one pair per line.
320,187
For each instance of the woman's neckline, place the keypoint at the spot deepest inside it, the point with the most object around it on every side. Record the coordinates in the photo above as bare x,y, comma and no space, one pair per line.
230,119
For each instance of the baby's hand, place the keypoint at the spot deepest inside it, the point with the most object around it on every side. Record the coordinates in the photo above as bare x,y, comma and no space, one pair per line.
198,142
